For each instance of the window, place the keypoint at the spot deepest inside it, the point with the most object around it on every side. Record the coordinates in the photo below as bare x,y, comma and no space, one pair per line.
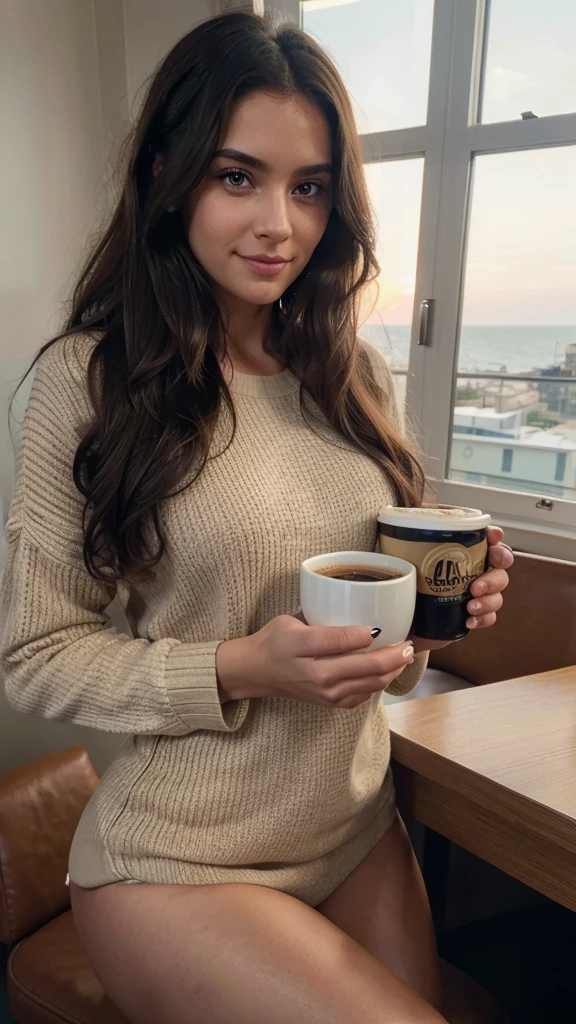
560,466
529,64
395,188
467,114
517,304
382,50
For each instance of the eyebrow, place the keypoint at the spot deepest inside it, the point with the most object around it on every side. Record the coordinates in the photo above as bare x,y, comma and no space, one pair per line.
261,165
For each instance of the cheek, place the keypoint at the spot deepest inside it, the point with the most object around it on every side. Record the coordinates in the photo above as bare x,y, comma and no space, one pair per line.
213,225
309,225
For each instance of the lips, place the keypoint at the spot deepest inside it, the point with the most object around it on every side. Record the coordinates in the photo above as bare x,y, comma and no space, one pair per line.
269,266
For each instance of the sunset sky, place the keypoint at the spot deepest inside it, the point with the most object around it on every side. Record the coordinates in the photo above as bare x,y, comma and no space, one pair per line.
522,247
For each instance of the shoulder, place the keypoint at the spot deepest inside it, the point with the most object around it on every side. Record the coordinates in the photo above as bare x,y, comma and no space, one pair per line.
66,360
382,376
61,372
59,403
377,362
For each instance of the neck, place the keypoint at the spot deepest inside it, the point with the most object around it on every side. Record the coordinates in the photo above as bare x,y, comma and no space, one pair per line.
250,337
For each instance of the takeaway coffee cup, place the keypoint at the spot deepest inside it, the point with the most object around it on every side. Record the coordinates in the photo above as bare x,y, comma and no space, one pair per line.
448,546
339,589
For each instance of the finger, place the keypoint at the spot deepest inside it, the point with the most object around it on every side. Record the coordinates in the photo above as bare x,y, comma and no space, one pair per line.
338,667
500,556
351,688
320,641
494,534
484,622
485,605
491,582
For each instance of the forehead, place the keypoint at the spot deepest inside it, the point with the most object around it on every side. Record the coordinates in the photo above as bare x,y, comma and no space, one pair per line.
279,130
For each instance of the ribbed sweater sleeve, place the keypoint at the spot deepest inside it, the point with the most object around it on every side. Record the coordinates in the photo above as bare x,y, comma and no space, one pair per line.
59,654
413,673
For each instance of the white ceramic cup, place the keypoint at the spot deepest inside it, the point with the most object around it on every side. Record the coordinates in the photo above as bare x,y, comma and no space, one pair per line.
389,604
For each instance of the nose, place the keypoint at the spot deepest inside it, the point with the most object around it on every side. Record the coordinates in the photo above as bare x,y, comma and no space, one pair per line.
272,219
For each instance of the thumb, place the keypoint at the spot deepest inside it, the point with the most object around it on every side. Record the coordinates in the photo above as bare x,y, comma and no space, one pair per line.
338,639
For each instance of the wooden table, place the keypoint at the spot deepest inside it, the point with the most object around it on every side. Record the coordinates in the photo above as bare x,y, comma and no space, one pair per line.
493,768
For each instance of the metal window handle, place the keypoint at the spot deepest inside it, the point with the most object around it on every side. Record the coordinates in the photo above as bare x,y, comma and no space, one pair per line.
426,318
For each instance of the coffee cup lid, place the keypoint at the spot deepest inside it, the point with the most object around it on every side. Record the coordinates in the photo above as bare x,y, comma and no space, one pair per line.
435,517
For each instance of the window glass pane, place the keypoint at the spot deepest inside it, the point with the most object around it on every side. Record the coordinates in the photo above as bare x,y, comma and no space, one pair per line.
395,188
560,465
519,318
382,50
530,59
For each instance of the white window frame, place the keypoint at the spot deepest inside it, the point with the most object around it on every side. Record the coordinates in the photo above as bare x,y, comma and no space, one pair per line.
449,141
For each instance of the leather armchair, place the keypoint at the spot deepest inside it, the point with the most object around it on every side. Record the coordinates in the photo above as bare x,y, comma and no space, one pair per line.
49,979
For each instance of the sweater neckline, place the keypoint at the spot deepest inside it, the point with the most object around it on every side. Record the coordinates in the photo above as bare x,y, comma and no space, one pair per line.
273,385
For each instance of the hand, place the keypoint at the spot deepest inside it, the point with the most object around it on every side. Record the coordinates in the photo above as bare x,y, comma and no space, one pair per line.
486,591
319,665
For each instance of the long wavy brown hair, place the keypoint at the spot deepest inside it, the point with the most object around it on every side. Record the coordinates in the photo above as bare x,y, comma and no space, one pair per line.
154,376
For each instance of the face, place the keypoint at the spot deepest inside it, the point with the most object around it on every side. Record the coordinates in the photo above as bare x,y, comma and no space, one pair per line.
267,195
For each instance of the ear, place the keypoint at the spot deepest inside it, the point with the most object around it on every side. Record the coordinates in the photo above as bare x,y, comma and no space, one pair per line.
157,164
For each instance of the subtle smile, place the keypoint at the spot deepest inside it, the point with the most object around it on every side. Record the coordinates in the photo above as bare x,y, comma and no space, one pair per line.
267,265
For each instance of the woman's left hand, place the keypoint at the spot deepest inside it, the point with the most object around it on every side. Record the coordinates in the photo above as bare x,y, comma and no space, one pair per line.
486,591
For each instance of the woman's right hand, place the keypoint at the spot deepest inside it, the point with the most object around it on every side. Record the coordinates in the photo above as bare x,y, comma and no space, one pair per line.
321,665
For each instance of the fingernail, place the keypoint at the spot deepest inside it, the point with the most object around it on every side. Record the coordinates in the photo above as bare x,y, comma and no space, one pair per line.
472,623
375,632
480,588
474,606
408,652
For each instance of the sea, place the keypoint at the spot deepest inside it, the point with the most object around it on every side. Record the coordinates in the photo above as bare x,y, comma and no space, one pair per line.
506,349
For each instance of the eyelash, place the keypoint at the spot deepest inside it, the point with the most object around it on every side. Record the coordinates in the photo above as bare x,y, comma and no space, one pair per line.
236,170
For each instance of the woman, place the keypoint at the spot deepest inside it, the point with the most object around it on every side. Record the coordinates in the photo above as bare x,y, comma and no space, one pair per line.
242,859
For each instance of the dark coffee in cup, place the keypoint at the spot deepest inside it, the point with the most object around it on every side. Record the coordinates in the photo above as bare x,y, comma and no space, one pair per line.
449,547
359,573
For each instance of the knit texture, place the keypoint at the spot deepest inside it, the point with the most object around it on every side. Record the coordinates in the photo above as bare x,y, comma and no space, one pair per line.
271,790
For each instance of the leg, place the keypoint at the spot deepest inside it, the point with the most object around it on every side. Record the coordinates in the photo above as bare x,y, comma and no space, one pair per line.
383,905
233,954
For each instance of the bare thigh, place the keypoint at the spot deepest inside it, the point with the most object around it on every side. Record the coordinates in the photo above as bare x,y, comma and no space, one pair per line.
233,954
383,904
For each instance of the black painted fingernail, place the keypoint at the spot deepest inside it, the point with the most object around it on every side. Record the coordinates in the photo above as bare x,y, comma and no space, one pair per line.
375,632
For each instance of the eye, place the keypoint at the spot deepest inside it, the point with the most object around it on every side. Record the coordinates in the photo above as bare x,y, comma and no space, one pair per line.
310,185
233,173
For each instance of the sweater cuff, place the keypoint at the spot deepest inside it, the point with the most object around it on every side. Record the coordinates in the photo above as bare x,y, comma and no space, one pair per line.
192,687
410,677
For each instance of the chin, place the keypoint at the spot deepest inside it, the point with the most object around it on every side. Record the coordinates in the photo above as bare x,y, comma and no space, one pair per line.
259,296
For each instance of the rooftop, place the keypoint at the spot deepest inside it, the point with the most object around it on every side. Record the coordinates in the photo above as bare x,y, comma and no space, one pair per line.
535,439
487,413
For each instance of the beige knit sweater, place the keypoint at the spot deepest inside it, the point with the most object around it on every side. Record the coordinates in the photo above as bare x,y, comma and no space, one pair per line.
271,790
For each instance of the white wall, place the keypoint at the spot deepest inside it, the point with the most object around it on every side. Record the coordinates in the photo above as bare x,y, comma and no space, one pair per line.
151,29
66,67
50,174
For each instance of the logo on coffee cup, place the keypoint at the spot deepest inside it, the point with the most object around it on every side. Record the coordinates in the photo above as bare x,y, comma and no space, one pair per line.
450,569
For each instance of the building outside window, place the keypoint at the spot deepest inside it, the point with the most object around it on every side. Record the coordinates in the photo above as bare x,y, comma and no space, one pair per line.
560,465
